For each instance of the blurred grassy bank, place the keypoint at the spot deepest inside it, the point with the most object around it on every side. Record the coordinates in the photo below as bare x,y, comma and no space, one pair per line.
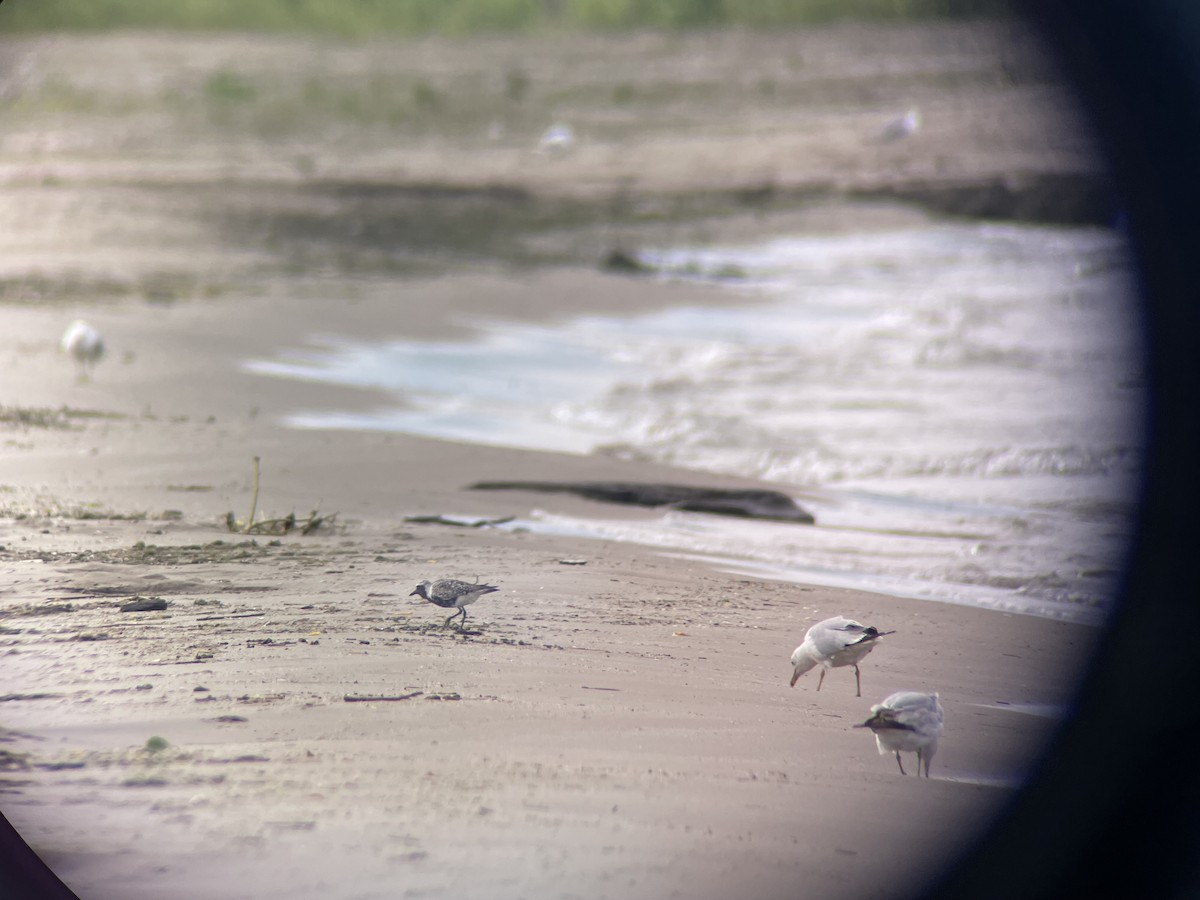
415,17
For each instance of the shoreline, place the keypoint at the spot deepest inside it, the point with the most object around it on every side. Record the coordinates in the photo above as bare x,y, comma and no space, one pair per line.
188,365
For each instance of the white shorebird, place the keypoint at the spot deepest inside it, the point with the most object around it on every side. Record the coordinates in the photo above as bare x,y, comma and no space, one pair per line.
84,343
558,138
909,721
834,643
449,593
901,127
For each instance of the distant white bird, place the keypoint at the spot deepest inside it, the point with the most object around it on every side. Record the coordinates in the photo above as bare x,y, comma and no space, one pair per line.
452,594
84,343
558,138
909,721
900,127
834,643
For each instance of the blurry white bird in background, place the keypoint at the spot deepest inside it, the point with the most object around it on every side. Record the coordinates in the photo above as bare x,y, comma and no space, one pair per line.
84,343
899,128
558,138
909,721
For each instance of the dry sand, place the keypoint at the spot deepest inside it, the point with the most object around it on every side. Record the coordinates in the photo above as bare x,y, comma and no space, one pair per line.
617,728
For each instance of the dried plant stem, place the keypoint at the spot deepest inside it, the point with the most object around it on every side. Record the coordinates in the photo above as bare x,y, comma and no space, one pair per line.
254,499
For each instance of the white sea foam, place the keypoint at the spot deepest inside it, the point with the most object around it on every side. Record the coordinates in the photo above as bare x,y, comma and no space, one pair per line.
959,404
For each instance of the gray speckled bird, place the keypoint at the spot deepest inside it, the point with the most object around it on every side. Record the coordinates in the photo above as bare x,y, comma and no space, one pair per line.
450,593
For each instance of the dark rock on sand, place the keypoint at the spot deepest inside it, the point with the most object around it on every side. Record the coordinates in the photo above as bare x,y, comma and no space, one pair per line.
144,604
751,504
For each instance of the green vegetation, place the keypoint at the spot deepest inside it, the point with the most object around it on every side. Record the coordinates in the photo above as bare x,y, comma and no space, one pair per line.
360,18
226,86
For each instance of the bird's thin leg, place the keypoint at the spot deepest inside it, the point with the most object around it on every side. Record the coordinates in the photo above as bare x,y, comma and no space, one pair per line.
449,619
822,678
901,765
920,754
463,623
857,681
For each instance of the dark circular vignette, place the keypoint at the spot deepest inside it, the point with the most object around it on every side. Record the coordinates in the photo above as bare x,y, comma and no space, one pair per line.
23,875
1113,809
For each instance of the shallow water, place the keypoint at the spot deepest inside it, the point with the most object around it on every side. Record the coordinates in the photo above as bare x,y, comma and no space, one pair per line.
958,404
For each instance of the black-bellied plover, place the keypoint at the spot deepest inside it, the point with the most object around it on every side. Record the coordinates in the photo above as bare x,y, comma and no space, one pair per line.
834,643
84,343
909,721
450,593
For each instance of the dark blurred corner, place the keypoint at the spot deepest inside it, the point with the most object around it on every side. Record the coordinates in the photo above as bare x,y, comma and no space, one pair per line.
1115,809
23,876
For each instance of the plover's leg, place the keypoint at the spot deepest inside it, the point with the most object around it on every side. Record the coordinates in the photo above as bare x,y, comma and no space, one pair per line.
857,681
449,619
822,678
901,765
921,755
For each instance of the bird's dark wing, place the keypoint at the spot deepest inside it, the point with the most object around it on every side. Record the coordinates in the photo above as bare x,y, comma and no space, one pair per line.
885,720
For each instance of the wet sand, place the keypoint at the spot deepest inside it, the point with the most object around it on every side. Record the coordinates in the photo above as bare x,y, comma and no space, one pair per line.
615,722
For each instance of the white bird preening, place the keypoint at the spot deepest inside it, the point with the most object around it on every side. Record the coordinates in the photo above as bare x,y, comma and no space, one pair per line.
832,644
84,343
908,721
900,127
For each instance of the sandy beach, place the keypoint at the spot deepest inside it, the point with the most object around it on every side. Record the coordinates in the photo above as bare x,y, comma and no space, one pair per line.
620,727
615,722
